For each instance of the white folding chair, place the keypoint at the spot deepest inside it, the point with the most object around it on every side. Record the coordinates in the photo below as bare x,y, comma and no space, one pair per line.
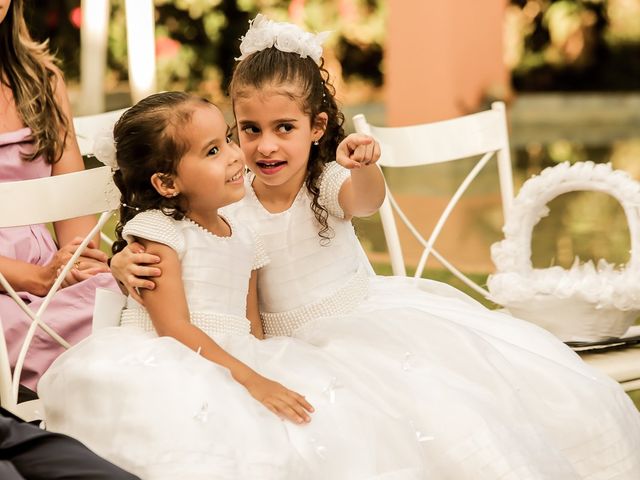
483,133
89,126
59,198
107,307
47,200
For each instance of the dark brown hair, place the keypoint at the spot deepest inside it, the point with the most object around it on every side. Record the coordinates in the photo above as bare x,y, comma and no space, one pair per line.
30,71
148,141
273,67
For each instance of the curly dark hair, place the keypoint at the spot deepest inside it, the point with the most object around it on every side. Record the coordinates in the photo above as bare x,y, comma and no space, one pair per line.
273,67
148,141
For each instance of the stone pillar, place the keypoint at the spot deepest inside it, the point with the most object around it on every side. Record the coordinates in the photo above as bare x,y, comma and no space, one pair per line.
93,56
141,48
442,58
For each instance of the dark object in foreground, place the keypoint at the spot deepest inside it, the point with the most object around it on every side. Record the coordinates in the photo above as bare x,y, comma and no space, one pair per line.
30,453
604,345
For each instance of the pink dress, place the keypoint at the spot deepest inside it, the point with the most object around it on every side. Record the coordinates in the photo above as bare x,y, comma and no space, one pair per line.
70,311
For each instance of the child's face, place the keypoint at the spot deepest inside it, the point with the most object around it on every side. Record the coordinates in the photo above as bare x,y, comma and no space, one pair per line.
210,175
275,136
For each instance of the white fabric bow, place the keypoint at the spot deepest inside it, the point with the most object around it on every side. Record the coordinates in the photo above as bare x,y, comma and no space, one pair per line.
104,148
286,37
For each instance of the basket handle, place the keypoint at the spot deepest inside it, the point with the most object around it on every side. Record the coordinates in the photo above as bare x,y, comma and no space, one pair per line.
530,205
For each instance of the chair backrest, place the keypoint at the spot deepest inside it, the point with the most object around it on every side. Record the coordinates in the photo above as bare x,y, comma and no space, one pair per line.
483,133
45,200
107,308
89,126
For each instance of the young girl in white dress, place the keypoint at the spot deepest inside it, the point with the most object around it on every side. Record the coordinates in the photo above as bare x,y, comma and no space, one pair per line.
487,395
182,389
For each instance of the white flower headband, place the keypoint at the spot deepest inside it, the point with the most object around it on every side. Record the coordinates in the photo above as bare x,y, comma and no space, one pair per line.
286,37
104,148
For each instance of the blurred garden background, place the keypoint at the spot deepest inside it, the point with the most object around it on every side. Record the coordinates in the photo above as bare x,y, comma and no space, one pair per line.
572,88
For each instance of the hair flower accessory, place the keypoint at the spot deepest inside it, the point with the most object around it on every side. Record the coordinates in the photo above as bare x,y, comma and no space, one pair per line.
104,148
286,37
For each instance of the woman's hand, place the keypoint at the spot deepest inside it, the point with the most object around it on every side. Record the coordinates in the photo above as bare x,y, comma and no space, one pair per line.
91,262
285,403
84,269
132,267
357,150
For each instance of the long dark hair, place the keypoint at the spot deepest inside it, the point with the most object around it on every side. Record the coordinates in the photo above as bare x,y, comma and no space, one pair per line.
148,141
30,71
271,66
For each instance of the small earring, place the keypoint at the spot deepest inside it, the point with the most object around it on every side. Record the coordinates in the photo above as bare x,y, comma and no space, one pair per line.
316,143
173,194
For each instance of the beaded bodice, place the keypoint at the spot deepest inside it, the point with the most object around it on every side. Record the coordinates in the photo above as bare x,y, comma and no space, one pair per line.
215,270
306,278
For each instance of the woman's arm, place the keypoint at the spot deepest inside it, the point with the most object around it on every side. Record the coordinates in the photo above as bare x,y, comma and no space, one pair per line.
71,161
362,194
253,312
26,277
93,260
38,279
169,312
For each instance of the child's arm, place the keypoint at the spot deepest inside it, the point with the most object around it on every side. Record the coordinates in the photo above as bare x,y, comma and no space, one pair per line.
169,312
363,193
253,312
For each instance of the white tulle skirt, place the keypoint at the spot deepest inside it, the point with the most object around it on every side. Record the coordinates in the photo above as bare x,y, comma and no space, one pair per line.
488,396
159,410
420,382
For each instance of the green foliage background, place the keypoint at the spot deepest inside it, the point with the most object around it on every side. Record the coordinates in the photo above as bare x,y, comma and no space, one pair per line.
197,40
564,45
573,45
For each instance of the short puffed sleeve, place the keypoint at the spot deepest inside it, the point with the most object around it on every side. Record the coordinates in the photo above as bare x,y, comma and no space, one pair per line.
260,257
331,180
157,227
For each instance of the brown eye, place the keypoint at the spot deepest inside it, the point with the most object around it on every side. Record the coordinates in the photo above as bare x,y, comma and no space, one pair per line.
250,129
285,128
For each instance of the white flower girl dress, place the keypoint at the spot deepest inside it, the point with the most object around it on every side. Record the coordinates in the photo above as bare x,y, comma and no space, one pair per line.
158,409
488,396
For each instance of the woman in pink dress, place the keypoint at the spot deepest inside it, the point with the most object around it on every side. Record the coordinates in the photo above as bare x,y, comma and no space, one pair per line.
37,140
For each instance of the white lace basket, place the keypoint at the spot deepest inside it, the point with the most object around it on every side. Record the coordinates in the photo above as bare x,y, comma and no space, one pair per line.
587,302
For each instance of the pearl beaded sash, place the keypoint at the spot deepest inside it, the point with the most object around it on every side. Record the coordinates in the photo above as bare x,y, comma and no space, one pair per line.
209,323
343,301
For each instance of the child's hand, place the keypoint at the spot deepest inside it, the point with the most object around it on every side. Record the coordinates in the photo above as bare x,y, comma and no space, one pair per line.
285,403
131,267
357,150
